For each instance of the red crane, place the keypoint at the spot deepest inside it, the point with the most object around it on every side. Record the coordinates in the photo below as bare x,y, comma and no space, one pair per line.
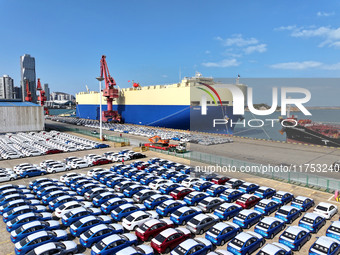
42,98
28,97
110,92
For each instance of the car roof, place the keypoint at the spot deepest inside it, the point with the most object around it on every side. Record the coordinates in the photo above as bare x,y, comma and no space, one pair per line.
152,222
336,224
187,244
87,218
264,187
168,232
246,212
37,235
280,192
201,216
248,195
271,248
295,230
325,204
138,213
326,241
287,207
111,238
184,209
301,198
98,228
267,201
227,205
223,225
270,220
312,216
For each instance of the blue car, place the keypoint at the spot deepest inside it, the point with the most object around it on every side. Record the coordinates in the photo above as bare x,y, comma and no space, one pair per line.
334,230
103,197
88,222
202,185
182,215
136,163
267,206
48,190
248,187
59,201
82,190
295,237
265,192
32,227
193,198
168,174
168,187
39,238
169,206
222,232
156,200
288,213
275,249
247,218
34,183
131,173
133,189
113,244
53,195
12,204
114,168
283,197
245,243
231,195
142,249
147,180
178,178
123,170
197,246
227,211
313,222
25,218
80,183
107,177
32,172
215,190
99,232
302,203
76,214
15,212
10,198
114,181
154,160
184,170
269,227
113,203
139,176
124,210
325,245
208,177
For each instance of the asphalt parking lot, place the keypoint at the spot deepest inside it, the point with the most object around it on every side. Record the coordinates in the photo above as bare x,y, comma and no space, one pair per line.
7,247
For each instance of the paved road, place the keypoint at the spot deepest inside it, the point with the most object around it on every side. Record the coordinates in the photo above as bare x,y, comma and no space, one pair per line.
7,248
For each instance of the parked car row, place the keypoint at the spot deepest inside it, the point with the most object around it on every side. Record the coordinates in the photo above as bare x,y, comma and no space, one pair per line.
31,144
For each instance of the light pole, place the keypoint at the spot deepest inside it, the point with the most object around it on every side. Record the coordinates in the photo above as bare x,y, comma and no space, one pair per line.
100,79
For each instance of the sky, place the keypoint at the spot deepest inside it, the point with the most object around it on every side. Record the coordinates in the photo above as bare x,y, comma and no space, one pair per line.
157,42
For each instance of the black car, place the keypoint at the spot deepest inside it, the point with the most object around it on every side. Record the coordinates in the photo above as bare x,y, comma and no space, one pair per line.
137,155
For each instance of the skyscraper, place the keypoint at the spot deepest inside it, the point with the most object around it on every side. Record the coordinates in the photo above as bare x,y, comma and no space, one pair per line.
6,87
47,91
27,66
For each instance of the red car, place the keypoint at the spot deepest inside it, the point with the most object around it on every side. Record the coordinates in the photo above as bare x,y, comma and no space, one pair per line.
220,180
101,161
143,166
152,228
180,192
53,151
248,200
170,238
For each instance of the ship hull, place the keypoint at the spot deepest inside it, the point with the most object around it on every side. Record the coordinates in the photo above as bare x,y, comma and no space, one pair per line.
302,134
182,117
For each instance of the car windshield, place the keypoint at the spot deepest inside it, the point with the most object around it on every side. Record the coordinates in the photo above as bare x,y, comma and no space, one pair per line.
88,233
289,235
322,208
237,242
297,201
190,195
214,231
194,221
261,205
118,209
243,199
160,238
204,202
284,212
335,229
177,213
278,196
129,218
305,219
322,249
263,225
144,227
180,250
77,224
24,241
100,245
162,205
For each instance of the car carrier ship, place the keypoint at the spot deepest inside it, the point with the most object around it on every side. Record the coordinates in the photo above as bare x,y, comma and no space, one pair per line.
177,106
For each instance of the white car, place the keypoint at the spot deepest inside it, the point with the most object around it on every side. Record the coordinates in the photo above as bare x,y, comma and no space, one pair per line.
80,164
157,183
69,206
326,209
66,247
7,177
43,164
93,171
189,181
58,168
18,167
136,219
120,158
65,177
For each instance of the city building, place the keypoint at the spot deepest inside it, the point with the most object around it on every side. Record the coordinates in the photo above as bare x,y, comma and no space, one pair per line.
47,91
17,93
6,87
27,66
61,96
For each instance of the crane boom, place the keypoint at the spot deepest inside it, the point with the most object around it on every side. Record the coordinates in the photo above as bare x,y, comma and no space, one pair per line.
28,97
110,92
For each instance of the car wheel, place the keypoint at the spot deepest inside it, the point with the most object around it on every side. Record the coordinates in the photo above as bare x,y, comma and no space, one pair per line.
222,243
209,250
26,176
309,237
227,218
11,179
134,228
77,167
42,174
53,171
201,232
272,236
299,247
149,239
70,253
184,222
